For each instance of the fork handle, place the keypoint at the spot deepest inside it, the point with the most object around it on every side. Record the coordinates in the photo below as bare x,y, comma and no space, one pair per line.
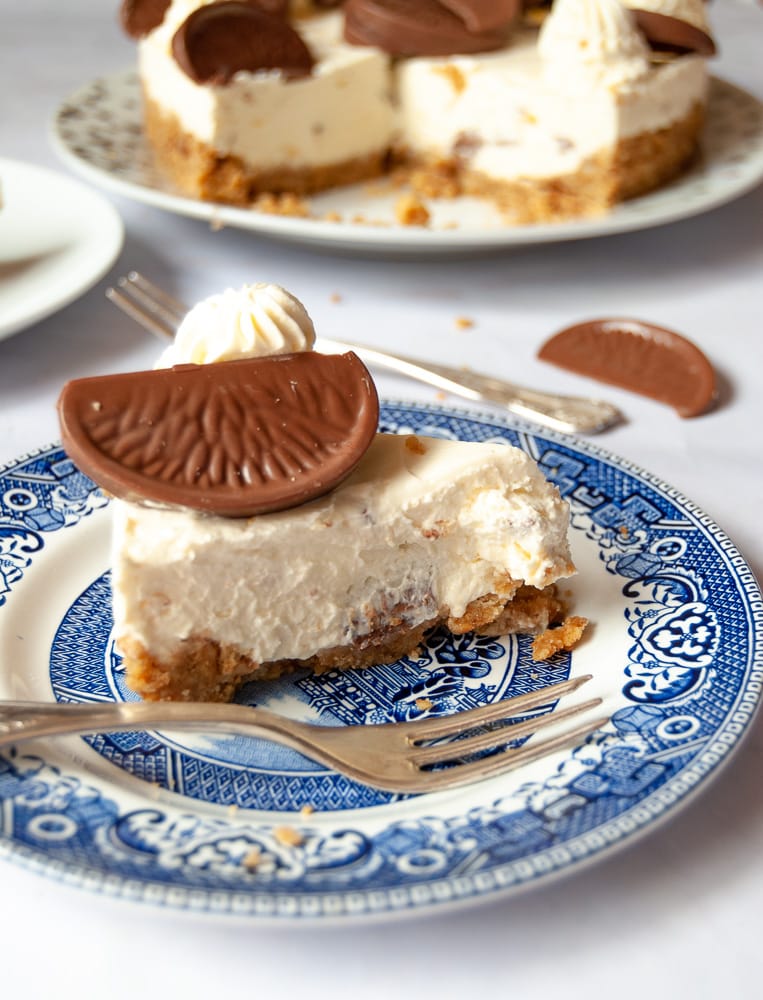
21,721
570,414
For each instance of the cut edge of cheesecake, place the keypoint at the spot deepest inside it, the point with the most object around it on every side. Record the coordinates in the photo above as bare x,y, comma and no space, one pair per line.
635,166
425,532
202,669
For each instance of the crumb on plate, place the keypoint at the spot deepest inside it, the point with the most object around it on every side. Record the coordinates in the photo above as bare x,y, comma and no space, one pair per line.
410,211
564,636
252,858
288,835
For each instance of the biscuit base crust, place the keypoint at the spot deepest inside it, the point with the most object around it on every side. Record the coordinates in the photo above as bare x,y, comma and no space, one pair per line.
200,669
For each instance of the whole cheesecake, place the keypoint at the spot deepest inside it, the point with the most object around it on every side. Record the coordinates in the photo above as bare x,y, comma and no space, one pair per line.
549,116
216,583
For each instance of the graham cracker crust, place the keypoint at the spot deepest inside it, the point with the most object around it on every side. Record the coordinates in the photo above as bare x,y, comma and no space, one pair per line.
203,670
200,172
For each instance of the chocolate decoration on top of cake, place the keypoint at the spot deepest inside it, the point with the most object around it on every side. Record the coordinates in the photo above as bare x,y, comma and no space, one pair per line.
417,28
221,39
280,8
663,32
484,15
139,17
234,439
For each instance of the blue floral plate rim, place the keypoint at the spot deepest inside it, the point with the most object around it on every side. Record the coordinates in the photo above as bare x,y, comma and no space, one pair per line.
436,855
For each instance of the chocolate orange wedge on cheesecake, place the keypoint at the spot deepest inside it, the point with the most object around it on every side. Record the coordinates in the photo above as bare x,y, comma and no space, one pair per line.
261,524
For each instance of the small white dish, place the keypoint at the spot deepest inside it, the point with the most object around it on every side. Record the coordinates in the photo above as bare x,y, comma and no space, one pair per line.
57,238
98,131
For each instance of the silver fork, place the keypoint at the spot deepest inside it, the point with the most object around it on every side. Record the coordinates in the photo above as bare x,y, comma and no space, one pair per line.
160,313
396,757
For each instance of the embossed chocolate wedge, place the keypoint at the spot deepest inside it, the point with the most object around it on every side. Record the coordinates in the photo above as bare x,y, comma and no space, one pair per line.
484,15
423,28
234,439
218,40
639,356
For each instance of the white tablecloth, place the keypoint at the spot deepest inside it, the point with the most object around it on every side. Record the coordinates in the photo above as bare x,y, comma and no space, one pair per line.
676,914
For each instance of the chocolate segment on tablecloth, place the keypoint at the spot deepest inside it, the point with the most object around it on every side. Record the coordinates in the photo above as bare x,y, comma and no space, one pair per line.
639,356
235,439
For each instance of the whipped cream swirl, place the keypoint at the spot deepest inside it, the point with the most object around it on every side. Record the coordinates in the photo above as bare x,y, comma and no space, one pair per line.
592,42
250,322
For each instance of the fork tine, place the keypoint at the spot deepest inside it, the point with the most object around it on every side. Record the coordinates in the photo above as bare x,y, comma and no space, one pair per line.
461,774
143,295
450,725
139,314
146,303
440,753
158,295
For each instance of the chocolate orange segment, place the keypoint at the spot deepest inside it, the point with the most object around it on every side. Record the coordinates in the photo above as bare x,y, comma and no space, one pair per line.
483,15
671,33
639,356
139,17
415,28
221,39
234,439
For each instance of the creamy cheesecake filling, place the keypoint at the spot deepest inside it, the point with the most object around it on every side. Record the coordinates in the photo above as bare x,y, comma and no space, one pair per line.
417,531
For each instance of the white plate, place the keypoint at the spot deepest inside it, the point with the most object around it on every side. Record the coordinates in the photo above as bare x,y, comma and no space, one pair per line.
98,131
675,649
57,238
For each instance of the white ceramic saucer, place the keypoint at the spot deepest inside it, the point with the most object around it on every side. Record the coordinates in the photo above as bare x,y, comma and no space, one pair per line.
57,238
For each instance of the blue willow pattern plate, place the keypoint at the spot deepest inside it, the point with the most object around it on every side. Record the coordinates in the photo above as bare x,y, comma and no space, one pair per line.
196,823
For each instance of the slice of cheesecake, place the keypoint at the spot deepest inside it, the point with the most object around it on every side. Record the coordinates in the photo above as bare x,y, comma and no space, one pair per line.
424,532
262,526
